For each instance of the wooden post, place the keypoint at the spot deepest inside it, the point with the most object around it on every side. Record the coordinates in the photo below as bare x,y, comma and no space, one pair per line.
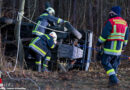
17,33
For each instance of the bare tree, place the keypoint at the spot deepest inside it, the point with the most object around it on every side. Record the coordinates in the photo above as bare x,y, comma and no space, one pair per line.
17,33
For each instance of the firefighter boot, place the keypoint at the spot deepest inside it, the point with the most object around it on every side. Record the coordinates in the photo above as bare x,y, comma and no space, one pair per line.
38,63
39,68
113,81
45,66
45,69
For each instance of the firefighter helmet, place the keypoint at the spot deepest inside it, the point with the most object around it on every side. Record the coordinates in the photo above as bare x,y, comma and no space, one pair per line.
50,10
54,35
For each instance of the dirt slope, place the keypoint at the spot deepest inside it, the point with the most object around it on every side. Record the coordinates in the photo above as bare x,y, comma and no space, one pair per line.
94,79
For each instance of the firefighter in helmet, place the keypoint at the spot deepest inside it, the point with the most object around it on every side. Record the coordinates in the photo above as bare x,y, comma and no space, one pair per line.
115,38
42,45
46,19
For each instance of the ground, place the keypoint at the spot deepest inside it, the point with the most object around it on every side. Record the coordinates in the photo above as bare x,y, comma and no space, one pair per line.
94,79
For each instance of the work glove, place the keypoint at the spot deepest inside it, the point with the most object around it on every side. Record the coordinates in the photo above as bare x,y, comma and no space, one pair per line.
55,41
65,21
99,55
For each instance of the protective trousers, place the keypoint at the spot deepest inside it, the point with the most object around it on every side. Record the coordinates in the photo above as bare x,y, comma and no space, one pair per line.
40,59
110,64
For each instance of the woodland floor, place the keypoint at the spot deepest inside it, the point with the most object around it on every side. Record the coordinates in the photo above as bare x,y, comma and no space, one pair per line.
94,79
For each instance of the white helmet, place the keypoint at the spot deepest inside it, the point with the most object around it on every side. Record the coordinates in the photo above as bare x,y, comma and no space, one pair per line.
54,35
50,10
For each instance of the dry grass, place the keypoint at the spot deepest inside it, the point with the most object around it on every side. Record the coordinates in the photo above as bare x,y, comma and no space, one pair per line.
95,79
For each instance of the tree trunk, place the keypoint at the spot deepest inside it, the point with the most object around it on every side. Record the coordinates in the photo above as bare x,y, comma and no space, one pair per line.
90,15
0,45
17,34
101,15
1,1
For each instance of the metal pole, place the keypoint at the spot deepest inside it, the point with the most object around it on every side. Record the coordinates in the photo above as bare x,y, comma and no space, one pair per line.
84,49
89,50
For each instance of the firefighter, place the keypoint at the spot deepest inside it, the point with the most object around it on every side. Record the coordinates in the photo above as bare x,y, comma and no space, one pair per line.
115,38
46,19
41,45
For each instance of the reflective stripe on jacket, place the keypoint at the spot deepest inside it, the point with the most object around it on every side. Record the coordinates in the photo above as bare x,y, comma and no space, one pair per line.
119,27
114,36
42,44
44,20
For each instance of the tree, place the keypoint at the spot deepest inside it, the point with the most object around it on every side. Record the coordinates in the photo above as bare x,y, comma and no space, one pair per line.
17,33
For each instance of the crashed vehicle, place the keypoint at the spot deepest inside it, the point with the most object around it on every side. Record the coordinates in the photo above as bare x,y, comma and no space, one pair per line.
71,51
68,50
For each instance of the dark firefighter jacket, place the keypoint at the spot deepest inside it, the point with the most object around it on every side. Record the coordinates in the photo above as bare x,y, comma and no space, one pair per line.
43,21
42,44
114,36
